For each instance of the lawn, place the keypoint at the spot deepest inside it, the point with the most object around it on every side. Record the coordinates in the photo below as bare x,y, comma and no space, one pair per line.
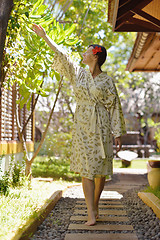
138,163
60,169
54,168
23,204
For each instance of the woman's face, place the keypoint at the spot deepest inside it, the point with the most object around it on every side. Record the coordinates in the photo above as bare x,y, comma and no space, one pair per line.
88,56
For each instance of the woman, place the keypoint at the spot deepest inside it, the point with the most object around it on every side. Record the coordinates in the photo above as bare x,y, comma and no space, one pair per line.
98,113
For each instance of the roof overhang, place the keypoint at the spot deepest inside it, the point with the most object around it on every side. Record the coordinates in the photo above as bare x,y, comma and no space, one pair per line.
134,15
146,53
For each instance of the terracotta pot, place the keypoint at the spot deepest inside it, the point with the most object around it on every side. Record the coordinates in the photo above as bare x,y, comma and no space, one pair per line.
153,169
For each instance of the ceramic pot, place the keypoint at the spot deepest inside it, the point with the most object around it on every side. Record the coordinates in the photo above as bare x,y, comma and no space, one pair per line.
153,168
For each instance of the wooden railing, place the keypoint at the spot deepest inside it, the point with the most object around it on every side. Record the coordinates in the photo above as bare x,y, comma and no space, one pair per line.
8,128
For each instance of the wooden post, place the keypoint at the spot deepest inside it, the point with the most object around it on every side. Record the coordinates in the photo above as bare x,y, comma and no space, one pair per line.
1,116
24,119
33,118
13,110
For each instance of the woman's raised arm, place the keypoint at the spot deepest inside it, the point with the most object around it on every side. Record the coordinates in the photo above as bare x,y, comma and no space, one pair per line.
62,62
39,30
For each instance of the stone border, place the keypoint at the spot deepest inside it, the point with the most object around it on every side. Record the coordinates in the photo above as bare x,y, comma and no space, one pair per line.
152,201
32,224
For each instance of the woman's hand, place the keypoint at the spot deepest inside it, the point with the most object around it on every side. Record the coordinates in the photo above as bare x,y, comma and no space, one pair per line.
118,144
39,30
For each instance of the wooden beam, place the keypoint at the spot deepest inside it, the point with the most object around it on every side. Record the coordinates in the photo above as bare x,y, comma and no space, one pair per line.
130,27
126,17
123,11
147,25
123,21
146,70
123,2
147,16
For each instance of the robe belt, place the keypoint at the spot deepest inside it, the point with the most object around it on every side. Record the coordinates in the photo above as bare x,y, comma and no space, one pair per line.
95,117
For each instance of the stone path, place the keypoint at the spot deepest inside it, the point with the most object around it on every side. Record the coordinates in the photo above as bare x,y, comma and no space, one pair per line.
113,222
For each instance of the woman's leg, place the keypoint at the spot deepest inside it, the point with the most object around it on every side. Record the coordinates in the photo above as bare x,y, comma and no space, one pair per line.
99,186
88,189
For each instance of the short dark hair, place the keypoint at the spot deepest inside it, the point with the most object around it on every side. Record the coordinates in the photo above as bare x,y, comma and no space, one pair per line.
101,55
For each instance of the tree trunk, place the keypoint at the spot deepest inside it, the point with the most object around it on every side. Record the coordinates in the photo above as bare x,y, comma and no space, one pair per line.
5,9
28,169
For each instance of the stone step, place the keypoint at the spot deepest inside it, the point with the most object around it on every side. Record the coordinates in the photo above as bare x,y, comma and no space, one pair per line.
103,212
101,206
101,219
108,194
100,226
102,201
106,236
123,187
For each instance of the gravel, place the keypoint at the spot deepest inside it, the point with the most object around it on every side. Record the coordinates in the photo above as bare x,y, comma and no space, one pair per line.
141,217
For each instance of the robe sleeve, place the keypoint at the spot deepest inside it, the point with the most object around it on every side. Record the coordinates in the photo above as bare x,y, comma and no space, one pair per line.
106,93
116,114
63,64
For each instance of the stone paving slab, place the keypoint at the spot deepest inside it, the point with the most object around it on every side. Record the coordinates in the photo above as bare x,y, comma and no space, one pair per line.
102,201
117,186
101,206
103,212
101,219
99,226
107,236
111,195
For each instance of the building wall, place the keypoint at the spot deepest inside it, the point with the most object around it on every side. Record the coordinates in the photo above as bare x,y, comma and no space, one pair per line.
9,139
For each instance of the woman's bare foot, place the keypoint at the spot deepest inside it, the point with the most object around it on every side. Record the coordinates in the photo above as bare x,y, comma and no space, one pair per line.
96,212
91,219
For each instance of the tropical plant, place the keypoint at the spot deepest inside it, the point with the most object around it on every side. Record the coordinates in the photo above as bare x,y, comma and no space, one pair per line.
28,59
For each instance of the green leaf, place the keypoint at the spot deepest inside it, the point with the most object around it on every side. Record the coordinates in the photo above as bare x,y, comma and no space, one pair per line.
36,5
46,23
57,75
70,30
71,42
41,9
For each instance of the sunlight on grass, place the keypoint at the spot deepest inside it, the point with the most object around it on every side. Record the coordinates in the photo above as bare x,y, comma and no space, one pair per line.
22,204
54,168
135,164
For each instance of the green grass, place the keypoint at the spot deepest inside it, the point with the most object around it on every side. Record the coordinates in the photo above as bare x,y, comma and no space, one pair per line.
60,169
54,168
135,164
156,192
23,204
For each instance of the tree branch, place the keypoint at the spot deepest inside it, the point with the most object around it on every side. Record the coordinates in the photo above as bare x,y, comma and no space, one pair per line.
85,18
49,120
31,114
68,104
64,9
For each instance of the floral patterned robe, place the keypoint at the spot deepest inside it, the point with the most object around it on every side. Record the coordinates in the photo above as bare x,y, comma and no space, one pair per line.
98,113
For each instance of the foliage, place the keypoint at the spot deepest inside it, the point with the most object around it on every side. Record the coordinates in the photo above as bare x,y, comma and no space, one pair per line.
4,184
14,177
28,58
156,125
54,167
57,144
157,138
